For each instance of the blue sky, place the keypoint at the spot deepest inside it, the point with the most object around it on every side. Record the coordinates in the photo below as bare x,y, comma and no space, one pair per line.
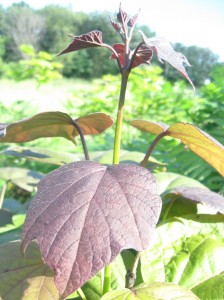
191,22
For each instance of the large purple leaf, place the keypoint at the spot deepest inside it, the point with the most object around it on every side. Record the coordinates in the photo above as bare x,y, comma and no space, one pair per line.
85,214
165,51
53,124
87,40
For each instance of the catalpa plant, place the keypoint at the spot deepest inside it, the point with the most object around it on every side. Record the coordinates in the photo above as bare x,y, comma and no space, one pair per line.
85,213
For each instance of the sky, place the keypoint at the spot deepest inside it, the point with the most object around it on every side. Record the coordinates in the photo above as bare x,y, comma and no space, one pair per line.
190,22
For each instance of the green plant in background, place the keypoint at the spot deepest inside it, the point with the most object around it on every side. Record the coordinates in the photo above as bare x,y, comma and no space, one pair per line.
39,66
114,231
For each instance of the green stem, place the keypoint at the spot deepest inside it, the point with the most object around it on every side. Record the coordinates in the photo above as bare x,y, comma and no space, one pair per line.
107,279
131,275
118,130
81,294
2,195
116,157
151,148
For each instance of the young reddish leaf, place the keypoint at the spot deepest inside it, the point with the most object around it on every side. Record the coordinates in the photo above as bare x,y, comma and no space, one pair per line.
85,214
202,195
116,26
149,126
122,16
165,51
143,56
54,124
197,140
132,21
87,40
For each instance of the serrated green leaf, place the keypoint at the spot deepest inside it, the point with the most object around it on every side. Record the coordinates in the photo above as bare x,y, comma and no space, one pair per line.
152,291
24,178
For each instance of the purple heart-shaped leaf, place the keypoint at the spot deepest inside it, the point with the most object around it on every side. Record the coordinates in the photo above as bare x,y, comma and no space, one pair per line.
85,214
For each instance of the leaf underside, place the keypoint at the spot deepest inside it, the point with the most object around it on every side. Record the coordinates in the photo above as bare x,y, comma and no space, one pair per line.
85,213
165,51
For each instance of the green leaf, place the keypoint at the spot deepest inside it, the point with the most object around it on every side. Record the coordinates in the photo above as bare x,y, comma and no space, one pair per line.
11,232
169,181
24,178
211,289
43,155
152,291
14,206
53,124
186,250
5,217
25,278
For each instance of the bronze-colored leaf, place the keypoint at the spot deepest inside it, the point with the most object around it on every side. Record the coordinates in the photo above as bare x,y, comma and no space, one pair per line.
149,126
53,124
197,140
201,143
94,123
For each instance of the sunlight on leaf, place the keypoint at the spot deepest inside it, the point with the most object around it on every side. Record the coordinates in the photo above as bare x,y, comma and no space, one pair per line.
85,214
197,140
25,278
152,291
178,244
54,124
165,51
211,289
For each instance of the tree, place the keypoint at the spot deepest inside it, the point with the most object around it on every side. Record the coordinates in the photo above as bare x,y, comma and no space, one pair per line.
24,26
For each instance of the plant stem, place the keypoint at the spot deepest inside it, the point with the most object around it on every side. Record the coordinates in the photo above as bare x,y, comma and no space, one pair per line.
107,279
151,148
131,275
117,140
2,195
81,294
85,150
